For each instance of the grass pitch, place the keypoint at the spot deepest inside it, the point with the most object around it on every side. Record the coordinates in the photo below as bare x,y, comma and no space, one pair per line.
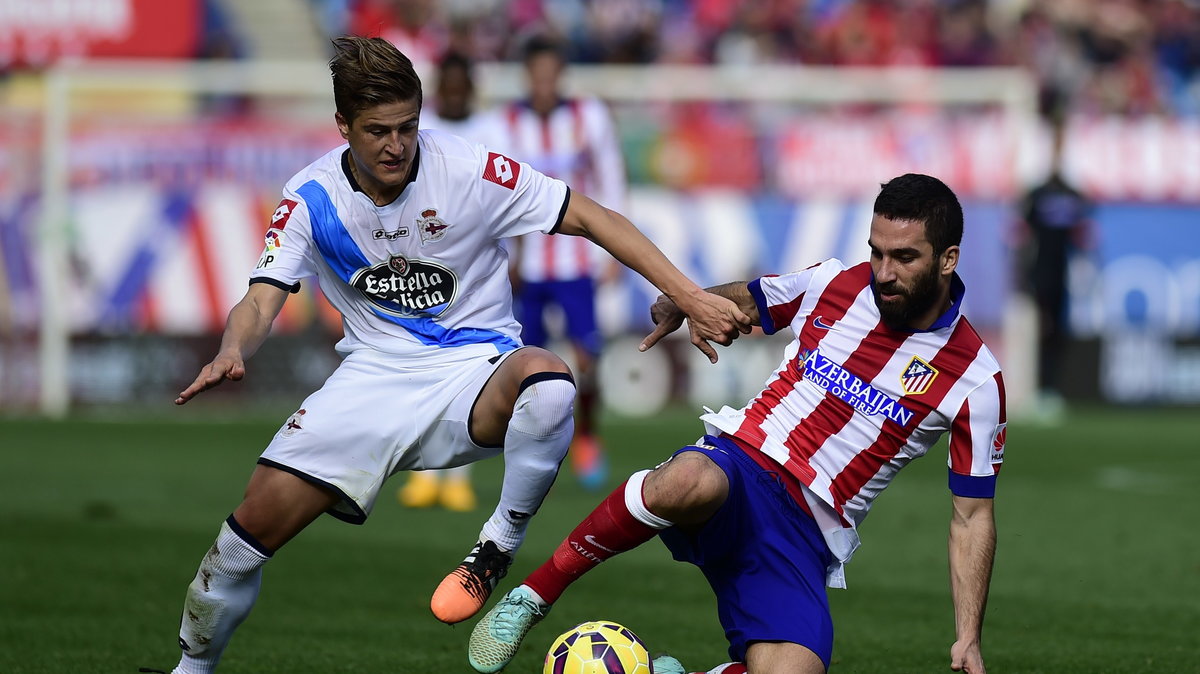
103,524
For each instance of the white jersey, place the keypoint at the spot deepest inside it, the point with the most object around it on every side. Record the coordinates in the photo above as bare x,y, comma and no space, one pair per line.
426,272
575,143
853,401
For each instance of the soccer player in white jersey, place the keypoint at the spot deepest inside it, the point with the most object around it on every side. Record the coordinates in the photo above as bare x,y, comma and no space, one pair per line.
402,230
572,139
453,112
883,364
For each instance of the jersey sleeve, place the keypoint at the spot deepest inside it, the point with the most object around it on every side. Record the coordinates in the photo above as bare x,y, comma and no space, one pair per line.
517,198
779,296
286,256
977,437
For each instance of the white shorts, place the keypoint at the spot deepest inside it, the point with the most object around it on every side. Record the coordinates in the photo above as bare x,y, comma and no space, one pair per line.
377,415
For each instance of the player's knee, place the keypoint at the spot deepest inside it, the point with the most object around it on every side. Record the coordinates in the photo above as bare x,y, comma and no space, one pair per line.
687,487
535,360
545,404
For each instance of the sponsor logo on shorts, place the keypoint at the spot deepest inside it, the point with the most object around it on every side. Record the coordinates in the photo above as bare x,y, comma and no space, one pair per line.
293,424
407,288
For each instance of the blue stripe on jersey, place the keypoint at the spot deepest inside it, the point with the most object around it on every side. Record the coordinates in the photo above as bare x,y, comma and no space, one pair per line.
973,486
345,259
764,309
339,250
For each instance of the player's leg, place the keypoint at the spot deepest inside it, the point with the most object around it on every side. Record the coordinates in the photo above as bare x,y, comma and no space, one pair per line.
684,491
782,657
781,609
578,301
527,407
276,507
303,472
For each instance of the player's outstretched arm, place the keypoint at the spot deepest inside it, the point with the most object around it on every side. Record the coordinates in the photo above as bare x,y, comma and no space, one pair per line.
972,549
710,317
248,324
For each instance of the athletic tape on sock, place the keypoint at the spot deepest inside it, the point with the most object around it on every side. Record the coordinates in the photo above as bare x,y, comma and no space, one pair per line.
637,505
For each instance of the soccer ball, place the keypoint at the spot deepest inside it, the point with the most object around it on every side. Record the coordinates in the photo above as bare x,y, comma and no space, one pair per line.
598,647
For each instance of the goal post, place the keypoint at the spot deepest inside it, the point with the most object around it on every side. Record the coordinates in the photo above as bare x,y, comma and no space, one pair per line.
300,91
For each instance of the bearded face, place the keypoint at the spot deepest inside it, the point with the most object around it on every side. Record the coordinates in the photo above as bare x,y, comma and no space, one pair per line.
911,283
901,304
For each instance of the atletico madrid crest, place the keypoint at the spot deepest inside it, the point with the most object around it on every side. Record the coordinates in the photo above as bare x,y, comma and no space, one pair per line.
917,376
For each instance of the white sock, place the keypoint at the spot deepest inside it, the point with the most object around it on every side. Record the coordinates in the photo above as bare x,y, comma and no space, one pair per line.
636,503
219,598
538,436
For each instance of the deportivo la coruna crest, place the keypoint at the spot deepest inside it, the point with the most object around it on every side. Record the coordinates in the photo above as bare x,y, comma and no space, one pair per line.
407,288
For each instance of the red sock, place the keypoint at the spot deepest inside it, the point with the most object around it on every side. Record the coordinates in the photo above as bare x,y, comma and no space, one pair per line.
608,530
727,668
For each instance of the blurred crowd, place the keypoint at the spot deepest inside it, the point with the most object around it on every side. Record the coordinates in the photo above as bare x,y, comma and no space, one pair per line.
1127,57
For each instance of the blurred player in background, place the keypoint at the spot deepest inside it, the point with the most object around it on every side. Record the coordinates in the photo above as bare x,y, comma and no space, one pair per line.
1057,224
767,504
571,139
402,228
453,112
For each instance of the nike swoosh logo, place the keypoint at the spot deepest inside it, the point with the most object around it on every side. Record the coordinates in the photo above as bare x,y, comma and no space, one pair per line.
819,322
592,540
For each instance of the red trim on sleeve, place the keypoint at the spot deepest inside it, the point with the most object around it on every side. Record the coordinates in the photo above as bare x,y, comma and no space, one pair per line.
960,440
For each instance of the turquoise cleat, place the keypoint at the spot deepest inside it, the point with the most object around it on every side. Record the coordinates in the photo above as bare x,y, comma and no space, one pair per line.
498,635
665,664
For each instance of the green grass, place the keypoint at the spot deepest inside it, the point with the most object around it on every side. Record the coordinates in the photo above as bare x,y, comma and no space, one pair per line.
103,524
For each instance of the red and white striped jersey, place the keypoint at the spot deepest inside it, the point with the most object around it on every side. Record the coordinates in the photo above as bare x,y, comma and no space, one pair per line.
577,144
853,401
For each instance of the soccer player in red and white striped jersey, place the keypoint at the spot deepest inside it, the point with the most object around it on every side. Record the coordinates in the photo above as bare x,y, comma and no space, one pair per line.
884,363
572,139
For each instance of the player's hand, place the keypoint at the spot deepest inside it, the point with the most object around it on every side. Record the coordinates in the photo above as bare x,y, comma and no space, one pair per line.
224,366
966,657
710,318
667,317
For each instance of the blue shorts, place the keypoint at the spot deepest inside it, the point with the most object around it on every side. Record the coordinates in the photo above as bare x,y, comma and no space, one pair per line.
764,557
578,301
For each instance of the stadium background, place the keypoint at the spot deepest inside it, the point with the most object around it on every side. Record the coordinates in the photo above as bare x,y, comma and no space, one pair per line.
169,188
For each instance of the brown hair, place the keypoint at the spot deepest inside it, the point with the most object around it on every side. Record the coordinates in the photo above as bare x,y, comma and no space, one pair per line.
370,71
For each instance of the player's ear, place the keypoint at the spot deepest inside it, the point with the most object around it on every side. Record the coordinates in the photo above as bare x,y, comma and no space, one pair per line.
948,261
342,124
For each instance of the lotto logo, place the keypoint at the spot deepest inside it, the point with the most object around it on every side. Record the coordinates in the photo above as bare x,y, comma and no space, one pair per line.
282,212
501,170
